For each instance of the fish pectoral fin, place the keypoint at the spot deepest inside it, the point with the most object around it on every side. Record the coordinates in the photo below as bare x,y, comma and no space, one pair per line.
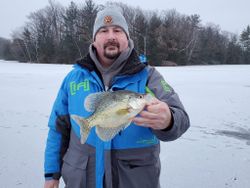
84,127
123,111
107,134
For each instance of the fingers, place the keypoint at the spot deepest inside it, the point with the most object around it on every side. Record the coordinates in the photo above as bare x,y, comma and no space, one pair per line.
56,185
141,121
156,116
152,101
148,114
157,107
147,119
51,184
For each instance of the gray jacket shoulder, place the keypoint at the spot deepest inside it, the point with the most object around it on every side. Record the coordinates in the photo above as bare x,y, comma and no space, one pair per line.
164,92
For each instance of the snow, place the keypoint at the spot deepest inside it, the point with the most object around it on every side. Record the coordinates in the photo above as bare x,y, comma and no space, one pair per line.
214,152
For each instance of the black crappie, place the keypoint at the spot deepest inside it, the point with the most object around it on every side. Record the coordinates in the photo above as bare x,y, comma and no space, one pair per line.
112,112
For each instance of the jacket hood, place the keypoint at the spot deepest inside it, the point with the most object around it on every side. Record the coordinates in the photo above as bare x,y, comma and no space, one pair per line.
132,64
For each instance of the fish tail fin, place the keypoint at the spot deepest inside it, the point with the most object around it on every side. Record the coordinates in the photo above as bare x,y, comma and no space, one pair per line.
84,127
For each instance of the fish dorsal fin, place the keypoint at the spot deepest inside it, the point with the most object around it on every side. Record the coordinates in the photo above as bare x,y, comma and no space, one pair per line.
93,100
107,134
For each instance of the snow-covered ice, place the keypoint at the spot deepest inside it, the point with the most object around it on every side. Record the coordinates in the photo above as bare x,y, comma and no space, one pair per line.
213,153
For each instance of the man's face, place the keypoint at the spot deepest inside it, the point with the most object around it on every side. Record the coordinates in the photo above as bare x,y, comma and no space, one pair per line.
110,42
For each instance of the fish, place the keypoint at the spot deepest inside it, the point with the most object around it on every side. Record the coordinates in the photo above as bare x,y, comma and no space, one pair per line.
112,112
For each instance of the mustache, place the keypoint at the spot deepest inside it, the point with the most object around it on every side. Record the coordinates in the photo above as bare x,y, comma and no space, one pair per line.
111,43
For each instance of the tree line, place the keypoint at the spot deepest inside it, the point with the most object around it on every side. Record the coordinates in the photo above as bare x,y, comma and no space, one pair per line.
57,34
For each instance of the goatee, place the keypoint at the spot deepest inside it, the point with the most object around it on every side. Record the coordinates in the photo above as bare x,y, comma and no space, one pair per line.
112,54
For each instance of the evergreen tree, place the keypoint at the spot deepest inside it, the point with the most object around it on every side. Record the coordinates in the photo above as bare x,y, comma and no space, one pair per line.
5,49
69,44
245,41
234,52
152,41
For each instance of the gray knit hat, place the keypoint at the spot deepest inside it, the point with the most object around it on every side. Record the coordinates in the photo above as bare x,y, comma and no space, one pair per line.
108,17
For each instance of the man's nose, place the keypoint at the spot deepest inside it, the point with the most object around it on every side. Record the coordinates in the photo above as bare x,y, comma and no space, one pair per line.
111,35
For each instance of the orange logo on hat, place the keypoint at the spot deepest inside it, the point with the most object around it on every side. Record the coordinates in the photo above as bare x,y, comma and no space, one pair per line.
108,20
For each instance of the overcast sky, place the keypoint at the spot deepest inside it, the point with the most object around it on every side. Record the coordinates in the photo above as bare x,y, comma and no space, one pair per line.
230,15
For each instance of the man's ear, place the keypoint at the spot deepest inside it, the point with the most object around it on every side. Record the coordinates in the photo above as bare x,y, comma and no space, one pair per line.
94,43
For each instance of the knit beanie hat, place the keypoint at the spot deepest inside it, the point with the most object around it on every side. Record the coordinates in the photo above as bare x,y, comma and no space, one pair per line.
110,16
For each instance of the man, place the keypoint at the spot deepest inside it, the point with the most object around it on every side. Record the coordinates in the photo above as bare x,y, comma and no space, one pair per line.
131,158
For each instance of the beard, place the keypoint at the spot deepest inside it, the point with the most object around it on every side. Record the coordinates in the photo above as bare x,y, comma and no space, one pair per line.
111,49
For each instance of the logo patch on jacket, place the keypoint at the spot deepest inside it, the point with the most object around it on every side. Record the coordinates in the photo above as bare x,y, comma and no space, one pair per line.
165,86
74,87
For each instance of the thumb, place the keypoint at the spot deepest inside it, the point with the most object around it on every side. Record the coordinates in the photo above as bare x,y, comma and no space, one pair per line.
152,101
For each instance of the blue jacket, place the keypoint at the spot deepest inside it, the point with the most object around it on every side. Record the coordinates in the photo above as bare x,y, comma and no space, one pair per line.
85,79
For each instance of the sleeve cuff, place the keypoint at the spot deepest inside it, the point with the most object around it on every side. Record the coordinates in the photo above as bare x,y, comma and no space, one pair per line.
54,176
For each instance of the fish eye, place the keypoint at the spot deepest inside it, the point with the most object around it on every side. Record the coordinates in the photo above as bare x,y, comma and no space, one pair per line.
140,96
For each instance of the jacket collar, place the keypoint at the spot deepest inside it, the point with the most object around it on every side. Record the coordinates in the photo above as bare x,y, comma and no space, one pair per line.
132,64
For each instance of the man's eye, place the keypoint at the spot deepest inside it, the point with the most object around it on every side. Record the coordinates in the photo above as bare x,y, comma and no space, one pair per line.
117,30
103,31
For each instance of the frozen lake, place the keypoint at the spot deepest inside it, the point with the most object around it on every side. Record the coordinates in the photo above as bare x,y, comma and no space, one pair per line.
214,153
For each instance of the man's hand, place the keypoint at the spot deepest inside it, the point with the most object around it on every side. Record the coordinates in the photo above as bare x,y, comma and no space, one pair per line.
51,184
156,116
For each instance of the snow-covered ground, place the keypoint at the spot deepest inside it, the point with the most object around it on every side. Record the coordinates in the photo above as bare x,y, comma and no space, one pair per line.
214,153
